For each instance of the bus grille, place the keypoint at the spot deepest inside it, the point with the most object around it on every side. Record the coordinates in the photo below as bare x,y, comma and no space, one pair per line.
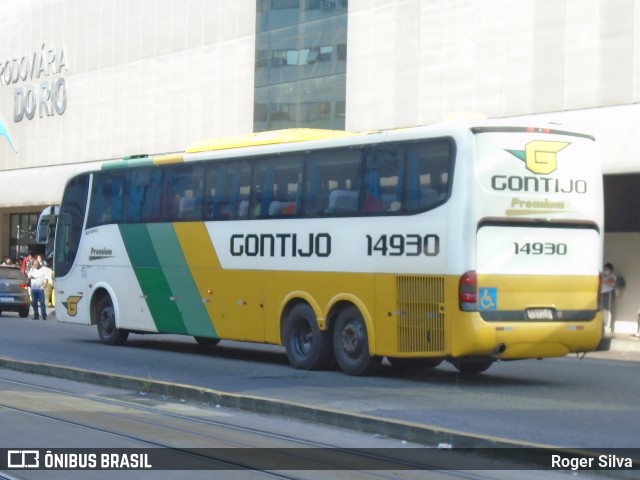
420,314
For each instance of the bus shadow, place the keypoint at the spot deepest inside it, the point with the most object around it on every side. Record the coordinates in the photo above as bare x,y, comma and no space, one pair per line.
444,375
447,375
227,350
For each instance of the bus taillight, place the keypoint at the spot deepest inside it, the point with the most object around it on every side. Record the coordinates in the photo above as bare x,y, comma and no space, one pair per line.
468,292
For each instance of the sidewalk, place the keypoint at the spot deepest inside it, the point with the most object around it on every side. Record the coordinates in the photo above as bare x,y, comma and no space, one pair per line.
623,347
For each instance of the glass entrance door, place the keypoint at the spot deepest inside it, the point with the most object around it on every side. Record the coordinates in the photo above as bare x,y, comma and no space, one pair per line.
23,235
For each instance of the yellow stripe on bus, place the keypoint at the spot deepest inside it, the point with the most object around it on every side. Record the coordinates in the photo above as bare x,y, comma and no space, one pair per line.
266,138
202,261
164,159
196,245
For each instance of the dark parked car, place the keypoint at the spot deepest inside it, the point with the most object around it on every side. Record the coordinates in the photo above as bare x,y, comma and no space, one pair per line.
14,296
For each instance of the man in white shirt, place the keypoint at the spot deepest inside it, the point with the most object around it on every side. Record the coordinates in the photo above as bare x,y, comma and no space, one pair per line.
48,288
39,278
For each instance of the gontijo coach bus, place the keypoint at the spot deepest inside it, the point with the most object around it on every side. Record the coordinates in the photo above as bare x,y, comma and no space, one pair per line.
466,243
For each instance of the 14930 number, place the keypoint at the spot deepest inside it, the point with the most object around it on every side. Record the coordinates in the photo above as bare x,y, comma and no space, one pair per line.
399,245
540,248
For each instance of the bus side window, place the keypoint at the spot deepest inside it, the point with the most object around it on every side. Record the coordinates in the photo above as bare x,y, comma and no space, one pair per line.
152,200
228,191
333,182
183,193
428,170
137,182
244,188
215,177
384,168
106,199
99,207
117,197
276,187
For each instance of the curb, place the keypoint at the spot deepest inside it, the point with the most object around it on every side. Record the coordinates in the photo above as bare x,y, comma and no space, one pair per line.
500,448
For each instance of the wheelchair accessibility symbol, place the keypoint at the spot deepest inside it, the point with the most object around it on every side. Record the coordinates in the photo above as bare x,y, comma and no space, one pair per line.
488,299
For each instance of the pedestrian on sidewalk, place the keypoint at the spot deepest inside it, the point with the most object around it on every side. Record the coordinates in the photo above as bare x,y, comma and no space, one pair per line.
39,279
608,292
48,287
27,263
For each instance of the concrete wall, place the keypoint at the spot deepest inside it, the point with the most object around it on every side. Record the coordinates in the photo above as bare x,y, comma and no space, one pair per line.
415,62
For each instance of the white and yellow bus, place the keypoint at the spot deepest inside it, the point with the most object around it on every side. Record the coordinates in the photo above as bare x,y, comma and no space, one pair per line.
462,242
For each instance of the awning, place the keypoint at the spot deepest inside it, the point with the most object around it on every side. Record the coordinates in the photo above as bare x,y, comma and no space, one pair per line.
26,187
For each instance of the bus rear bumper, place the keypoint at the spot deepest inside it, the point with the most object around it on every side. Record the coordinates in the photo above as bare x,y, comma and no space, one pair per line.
519,340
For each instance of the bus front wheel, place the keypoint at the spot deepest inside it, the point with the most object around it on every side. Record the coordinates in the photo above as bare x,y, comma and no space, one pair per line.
351,345
207,341
105,319
308,347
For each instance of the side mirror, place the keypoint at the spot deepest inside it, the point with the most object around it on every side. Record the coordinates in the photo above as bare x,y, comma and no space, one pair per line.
42,232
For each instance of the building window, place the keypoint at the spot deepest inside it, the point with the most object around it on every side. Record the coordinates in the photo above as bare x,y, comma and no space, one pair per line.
22,237
300,64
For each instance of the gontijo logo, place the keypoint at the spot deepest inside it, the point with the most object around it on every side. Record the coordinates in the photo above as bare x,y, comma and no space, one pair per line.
541,158
72,305
540,155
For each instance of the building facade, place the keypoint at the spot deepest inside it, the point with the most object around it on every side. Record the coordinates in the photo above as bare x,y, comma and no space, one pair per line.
83,82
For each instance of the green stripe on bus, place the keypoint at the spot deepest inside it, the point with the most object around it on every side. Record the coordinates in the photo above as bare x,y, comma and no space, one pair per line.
137,162
151,278
180,280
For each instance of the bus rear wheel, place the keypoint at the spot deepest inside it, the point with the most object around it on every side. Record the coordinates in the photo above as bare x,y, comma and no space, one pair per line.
308,347
105,318
472,367
351,345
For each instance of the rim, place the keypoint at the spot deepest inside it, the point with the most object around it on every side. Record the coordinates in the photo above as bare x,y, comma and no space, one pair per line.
107,323
302,338
352,339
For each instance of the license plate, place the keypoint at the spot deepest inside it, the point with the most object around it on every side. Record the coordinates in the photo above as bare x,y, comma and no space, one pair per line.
540,313
6,299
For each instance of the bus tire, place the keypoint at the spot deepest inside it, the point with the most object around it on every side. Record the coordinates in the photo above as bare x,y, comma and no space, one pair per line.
414,364
105,319
207,341
472,367
308,347
351,344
